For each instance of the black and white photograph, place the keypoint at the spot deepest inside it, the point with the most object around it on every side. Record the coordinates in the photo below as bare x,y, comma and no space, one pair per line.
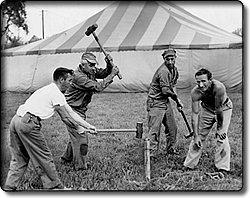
122,96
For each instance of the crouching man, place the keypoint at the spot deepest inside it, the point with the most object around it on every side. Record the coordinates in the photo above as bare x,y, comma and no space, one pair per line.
27,140
216,107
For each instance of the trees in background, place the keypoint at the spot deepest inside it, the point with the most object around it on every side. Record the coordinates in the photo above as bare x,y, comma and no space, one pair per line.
238,32
34,38
13,13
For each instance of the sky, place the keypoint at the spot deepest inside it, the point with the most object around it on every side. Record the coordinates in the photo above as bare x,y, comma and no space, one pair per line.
60,16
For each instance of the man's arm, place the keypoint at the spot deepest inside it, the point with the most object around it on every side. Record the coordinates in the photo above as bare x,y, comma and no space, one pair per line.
87,84
169,93
195,110
77,118
172,94
103,73
167,89
219,97
72,119
195,116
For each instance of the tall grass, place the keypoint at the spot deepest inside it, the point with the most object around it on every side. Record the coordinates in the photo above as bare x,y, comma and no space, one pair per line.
116,160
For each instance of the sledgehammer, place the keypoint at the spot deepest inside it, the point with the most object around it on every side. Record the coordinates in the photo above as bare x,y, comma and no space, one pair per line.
91,30
189,129
186,122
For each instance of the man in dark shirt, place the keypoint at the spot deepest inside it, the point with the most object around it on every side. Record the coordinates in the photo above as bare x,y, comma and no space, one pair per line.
78,96
159,107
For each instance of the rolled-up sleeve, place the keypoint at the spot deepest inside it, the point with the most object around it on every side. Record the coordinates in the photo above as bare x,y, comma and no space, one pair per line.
164,79
165,84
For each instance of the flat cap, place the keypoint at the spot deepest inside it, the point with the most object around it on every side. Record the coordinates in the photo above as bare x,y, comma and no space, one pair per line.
169,52
89,57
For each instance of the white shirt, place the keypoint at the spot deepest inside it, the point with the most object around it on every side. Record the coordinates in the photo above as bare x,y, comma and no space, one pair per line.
41,103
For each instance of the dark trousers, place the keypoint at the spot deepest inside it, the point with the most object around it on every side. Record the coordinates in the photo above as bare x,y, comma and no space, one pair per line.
157,117
77,147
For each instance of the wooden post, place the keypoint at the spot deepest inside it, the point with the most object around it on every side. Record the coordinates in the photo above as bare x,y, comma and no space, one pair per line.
139,130
147,159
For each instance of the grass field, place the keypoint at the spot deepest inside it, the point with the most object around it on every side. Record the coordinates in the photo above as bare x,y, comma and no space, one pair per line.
116,160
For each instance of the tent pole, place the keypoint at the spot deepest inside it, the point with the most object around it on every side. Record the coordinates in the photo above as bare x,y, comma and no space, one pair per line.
33,76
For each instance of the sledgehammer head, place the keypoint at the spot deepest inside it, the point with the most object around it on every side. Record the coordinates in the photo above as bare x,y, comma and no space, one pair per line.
91,29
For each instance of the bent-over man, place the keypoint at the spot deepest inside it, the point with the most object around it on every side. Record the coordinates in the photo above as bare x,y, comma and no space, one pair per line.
210,105
27,140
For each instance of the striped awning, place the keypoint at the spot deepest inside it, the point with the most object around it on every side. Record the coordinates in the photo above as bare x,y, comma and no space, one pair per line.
135,25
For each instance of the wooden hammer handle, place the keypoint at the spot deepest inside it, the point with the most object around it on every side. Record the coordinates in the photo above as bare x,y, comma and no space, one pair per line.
104,52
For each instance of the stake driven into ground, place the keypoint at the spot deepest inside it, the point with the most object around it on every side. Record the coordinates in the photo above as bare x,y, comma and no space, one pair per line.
116,160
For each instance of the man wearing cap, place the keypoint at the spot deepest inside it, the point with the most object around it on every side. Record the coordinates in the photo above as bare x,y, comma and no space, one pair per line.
159,107
78,96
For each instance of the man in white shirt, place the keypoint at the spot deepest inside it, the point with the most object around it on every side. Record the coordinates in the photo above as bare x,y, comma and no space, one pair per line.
27,141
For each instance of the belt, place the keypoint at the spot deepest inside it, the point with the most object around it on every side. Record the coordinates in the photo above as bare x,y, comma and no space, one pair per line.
150,99
32,115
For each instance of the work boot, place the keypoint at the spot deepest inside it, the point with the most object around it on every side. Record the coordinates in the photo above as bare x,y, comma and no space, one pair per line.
65,161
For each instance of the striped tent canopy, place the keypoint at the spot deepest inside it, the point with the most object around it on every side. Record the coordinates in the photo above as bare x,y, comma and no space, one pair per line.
135,25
